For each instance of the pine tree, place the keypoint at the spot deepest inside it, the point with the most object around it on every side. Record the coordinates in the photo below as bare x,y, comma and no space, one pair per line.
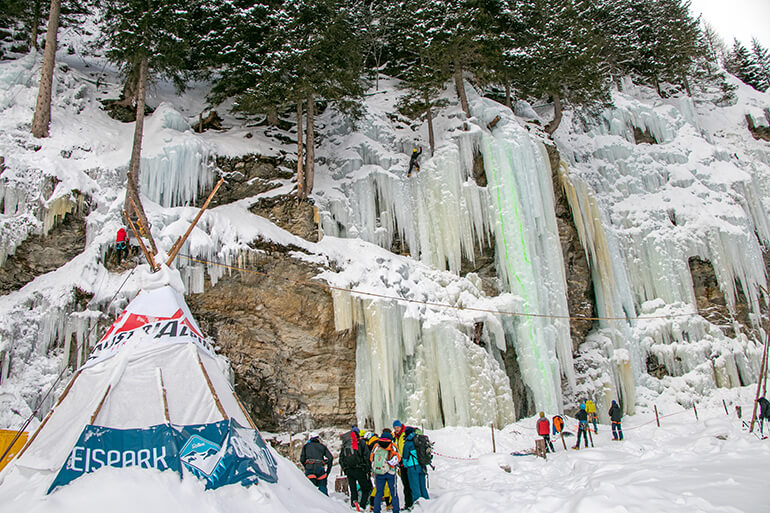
741,64
145,37
761,59
42,118
558,55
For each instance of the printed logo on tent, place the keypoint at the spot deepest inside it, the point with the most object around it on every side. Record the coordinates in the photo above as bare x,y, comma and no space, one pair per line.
132,327
200,456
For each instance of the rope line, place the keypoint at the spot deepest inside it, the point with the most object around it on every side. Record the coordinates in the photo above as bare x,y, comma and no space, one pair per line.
437,305
58,378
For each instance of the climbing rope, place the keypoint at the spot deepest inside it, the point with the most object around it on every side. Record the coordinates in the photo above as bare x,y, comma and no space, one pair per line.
58,378
429,303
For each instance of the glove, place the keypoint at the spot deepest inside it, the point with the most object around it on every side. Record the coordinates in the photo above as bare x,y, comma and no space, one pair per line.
393,461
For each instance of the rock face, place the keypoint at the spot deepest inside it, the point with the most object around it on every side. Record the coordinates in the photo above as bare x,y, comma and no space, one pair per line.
293,371
711,301
41,254
245,177
580,292
290,213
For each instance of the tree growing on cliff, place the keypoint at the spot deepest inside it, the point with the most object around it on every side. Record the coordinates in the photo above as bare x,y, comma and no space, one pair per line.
42,117
301,52
145,37
557,54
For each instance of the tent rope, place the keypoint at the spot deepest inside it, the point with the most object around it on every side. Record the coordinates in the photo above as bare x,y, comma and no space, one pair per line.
56,381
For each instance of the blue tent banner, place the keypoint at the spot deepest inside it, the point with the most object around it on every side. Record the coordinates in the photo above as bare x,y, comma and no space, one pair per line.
220,453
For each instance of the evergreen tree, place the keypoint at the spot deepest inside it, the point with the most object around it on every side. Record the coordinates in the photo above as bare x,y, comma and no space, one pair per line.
42,117
300,51
558,55
761,60
145,37
741,64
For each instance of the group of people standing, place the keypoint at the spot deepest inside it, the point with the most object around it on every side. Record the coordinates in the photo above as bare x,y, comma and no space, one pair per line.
585,415
366,455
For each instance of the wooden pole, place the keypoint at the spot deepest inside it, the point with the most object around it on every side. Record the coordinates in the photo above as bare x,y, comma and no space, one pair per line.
492,427
163,396
144,230
245,413
561,435
762,374
178,244
657,419
695,410
101,403
211,387
725,405
590,436
48,416
147,254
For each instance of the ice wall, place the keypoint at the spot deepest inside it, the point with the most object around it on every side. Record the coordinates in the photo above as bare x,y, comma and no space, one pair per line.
176,164
642,211
443,217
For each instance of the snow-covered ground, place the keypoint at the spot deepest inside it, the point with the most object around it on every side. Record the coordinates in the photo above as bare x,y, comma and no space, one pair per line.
710,465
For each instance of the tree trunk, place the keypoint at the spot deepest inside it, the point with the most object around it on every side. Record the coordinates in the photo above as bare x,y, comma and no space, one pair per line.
128,95
35,25
310,151
42,117
272,116
508,96
132,188
300,168
687,85
460,86
553,125
431,137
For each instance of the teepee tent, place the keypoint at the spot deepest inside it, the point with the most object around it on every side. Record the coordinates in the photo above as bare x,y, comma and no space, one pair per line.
152,372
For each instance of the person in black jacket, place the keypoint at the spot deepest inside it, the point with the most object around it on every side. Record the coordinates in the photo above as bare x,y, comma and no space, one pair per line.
354,461
582,417
317,460
615,415
413,164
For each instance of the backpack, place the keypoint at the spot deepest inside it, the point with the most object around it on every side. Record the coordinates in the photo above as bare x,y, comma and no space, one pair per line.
558,424
424,449
348,457
380,461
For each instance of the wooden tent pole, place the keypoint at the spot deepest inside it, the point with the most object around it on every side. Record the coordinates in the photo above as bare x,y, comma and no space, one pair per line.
178,244
48,416
101,403
163,396
147,254
245,413
762,372
142,228
211,387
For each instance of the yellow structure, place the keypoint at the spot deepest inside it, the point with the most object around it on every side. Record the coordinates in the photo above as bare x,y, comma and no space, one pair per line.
5,440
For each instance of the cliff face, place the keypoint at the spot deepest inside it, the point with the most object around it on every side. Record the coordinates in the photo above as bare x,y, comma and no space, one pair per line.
292,370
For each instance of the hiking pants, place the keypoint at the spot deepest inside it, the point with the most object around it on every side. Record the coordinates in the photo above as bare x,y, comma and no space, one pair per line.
321,485
417,476
617,433
594,420
380,480
357,478
407,489
548,443
582,429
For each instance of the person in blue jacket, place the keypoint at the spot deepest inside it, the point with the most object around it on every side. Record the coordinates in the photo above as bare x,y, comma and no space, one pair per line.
415,472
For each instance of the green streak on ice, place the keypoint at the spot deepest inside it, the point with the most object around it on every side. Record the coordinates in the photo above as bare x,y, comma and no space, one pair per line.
528,319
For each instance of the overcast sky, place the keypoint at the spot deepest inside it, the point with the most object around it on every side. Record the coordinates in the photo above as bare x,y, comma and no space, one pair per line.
743,19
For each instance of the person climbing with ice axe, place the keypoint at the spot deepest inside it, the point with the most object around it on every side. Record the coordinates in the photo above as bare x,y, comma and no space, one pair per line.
413,164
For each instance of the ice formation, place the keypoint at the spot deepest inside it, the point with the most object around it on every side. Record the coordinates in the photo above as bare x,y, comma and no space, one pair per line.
444,218
179,164
642,211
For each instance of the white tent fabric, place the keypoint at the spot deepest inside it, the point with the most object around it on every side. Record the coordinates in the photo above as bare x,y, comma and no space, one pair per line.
155,340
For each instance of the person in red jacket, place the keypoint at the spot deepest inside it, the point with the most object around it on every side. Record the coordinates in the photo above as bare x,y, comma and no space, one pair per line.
544,430
121,245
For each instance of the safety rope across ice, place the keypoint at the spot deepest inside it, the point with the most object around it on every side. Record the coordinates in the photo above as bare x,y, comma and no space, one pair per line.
429,303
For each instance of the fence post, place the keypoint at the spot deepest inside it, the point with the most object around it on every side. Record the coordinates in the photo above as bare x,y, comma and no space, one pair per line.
492,426
657,419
